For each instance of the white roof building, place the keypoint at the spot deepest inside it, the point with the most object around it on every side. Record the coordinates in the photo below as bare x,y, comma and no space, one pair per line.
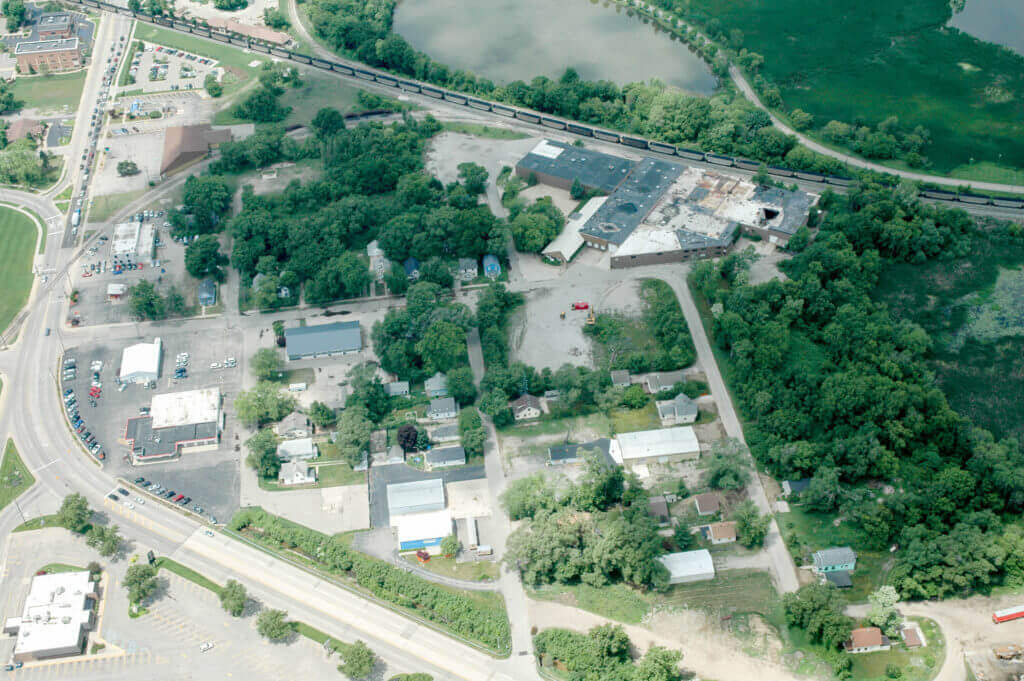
656,446
419,496
423,530
56,617
296,473
186,408
566,244
688,566
302,448
140,362
125,241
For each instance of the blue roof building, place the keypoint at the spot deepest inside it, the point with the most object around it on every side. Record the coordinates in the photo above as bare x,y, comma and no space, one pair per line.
492,268
207,292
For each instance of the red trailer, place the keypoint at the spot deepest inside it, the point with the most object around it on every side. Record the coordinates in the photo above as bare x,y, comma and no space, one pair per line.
1000,616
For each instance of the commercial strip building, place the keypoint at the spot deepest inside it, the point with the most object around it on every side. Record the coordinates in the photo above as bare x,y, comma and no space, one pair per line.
178,422
667,445
140,363
323,340
133,241
660,211
419,514
688,566
57,616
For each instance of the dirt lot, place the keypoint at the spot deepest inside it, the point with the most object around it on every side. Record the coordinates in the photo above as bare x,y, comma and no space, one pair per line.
541,338
252,15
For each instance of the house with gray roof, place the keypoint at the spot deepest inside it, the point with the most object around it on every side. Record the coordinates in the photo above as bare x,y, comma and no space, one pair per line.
468,269
568,454
662,380
436,385
442,409
444,457
323,340
446,433
620,378
397,389
680,410
294,450
834,559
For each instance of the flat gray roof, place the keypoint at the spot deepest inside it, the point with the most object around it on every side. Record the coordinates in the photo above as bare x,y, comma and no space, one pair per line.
60,45
592,168
323,339
630,203
415,497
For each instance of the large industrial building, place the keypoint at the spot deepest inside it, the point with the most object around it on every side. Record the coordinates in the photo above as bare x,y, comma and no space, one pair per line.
177,422
57,616
323,340
659,211
665,445
186,144
140,363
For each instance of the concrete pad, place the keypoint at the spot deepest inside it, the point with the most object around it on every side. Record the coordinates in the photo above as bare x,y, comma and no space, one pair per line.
559,197
351,503
469,498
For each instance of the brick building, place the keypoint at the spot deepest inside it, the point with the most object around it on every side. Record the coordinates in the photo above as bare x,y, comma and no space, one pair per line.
55,25
62,54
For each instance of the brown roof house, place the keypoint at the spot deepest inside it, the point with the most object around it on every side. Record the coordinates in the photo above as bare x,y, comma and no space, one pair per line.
867,640
525,407
707,503
186,144
720,533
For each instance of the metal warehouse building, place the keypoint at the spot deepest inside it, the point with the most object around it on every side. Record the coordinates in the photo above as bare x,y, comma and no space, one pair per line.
140,363
424,530
419,496
323,340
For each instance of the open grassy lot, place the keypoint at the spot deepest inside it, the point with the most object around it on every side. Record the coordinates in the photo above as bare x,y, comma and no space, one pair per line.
104,207
15,477
731,591
916,665
629,420
481,130
337,475
50,92
973,308
617,601
474,571
18,236
866,61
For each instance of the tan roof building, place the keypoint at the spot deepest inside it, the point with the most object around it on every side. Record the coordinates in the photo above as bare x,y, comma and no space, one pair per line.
867,640
185,144
707,503
722,533
23,127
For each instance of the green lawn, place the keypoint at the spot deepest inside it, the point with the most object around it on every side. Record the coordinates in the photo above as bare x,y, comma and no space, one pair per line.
617,601
49,92
316,92
473,571
598,422
19,236
104,207
37,523
629,420
338,475
55,568
731,591
916,665
481,130
15,477
188,573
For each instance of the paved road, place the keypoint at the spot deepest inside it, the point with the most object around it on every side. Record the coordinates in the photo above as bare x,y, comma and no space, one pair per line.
748,92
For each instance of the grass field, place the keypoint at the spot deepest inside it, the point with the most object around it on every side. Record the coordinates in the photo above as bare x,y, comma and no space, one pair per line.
481,130
731,591
617,602
473,571
56,568
15,477
37,523
19,236
50,92
863,62
188,573
629,420
337,475
104,207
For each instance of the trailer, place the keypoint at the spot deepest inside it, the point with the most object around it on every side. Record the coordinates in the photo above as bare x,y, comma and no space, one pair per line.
635,142
663,148
1001,616
605,136
719,160
472,538
341,68
76,218
553,123
387,80
322,64
432,92
528,117
580,130
503,110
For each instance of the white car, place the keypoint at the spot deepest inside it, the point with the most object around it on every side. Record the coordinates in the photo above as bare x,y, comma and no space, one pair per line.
215,365
130,506
140,500
206,646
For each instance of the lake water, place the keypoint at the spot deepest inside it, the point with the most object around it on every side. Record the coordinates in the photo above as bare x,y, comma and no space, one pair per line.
995,21
507,40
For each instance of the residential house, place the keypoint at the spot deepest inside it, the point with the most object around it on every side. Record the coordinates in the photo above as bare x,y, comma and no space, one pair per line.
792,487
688,566
397,389
293,426
620,378
446,433
680,410
412,268
207,293
657,508
492,268
662,380
436,385
914,638
567,454
840,579
525,407
442,409
708,503
835,558
296,473
379,264
552,395
867,640
295,450
720,533
468,269
444,457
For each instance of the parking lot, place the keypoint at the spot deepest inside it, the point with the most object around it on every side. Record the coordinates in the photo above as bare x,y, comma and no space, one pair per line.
209,477
156,68
382,476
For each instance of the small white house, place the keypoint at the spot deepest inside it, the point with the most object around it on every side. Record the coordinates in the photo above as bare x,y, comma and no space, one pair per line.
296,473
525,407
301,449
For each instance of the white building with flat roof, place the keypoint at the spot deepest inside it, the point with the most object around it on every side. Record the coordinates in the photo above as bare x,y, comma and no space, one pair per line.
666,445
56,618
418,496
688,566
140,363
424,531
186,408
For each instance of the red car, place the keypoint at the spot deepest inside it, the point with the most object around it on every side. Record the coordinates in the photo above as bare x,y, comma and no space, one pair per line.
581,306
